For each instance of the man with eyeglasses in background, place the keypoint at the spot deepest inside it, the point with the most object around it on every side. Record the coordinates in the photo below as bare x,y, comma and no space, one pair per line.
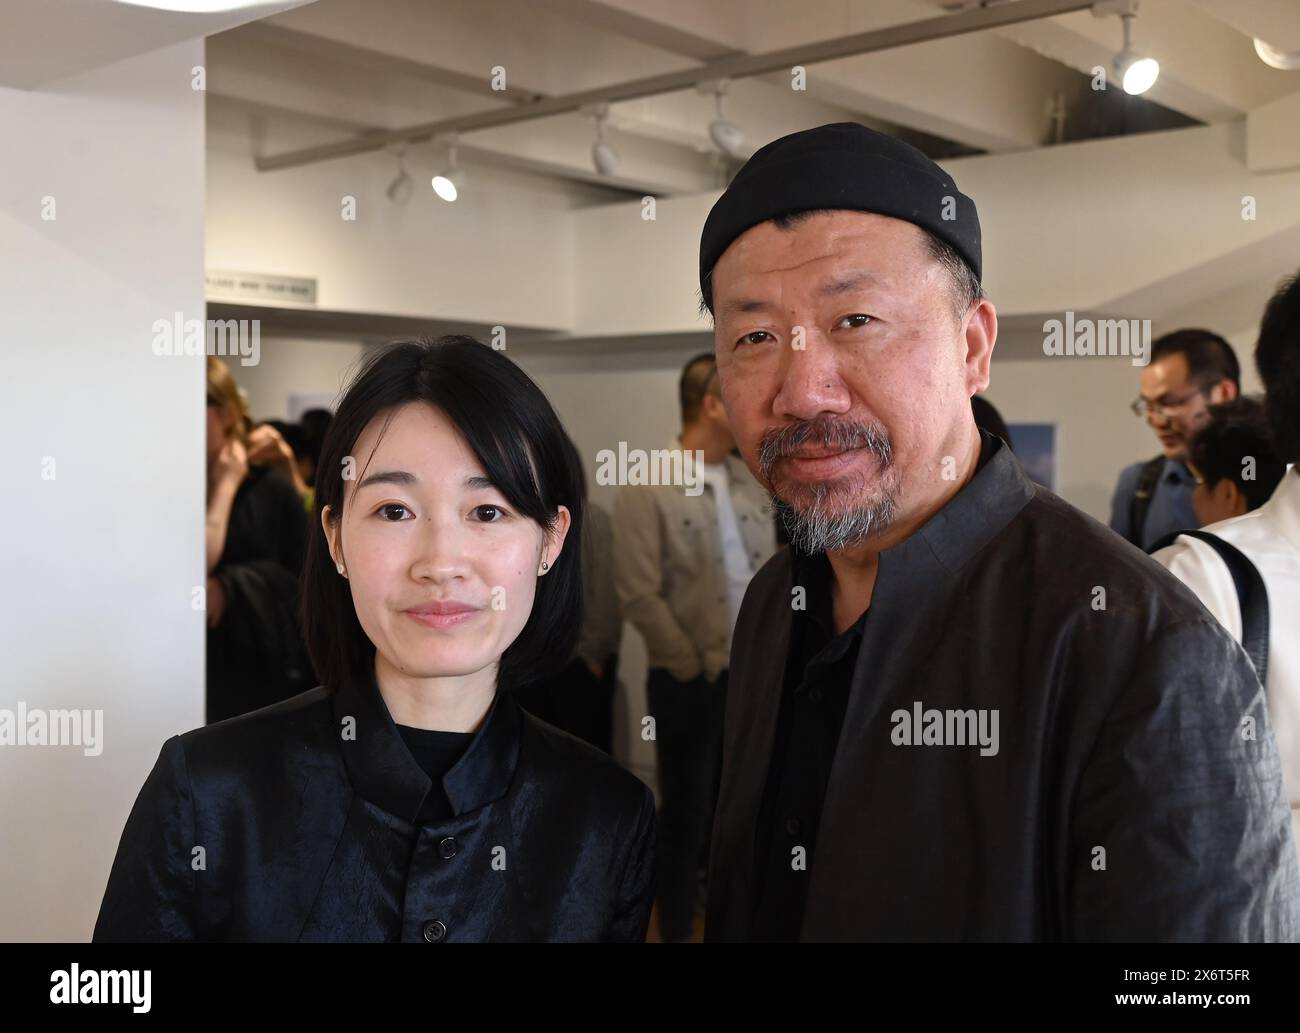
1189,371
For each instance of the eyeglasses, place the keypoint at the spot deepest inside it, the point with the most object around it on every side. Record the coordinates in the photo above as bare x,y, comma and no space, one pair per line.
1141,408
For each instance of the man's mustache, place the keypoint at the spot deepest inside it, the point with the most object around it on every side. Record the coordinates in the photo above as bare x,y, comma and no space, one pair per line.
839,435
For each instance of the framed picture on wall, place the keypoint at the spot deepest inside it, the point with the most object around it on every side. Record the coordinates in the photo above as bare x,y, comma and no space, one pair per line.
1035,447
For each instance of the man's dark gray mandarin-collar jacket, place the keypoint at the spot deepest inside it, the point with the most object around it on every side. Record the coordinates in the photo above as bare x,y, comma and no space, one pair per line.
307,816
1130,797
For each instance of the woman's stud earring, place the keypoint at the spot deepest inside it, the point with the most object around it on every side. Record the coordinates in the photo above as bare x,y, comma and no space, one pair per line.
340,566
545,565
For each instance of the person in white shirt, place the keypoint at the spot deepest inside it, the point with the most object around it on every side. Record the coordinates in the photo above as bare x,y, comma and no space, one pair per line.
1269,537
735,555
682,561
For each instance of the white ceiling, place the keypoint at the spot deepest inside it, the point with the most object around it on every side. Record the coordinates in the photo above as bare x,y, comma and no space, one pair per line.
45,40
301,74
330,70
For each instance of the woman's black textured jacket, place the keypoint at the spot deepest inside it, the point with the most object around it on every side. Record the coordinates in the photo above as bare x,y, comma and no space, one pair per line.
301,822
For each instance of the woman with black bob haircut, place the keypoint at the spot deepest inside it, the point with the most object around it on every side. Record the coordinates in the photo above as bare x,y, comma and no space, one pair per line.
408,797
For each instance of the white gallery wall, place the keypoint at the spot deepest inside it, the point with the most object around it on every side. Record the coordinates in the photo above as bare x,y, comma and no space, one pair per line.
501,254
291,366
101,541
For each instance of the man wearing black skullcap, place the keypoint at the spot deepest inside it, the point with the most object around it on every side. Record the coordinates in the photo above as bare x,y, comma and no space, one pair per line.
960,709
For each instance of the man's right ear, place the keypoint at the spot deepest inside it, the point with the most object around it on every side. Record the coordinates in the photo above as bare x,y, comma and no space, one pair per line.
1224,391
1233,498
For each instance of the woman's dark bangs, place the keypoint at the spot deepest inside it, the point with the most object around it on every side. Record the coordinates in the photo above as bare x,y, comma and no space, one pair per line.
497,436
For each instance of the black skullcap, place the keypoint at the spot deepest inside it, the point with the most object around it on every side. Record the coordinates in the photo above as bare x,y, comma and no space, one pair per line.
842,165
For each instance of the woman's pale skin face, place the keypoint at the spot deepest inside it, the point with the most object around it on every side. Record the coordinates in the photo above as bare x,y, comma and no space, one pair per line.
421,526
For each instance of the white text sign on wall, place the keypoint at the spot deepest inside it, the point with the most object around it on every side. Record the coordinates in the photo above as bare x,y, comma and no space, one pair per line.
260,287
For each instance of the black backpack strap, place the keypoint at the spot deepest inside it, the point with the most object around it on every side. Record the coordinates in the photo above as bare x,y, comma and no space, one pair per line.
1140,504
1252,596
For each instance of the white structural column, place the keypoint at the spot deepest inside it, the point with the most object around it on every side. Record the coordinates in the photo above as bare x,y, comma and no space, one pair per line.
101,541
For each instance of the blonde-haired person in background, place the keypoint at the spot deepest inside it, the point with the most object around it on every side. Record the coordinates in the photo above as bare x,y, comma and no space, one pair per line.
256,535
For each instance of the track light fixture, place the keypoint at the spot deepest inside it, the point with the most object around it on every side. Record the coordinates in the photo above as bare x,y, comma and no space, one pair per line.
603,155
400,189
727,137
447,184
1135,71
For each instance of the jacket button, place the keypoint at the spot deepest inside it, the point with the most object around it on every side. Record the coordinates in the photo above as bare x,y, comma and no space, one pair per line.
814,695
447,849
793,826
435,931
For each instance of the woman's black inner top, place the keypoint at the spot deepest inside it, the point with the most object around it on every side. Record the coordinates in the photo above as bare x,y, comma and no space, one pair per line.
436,753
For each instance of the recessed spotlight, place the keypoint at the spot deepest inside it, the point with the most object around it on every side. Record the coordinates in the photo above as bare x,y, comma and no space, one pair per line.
196,6
1282,60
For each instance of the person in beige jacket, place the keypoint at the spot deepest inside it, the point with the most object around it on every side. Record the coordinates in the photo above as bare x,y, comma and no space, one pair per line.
683,556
